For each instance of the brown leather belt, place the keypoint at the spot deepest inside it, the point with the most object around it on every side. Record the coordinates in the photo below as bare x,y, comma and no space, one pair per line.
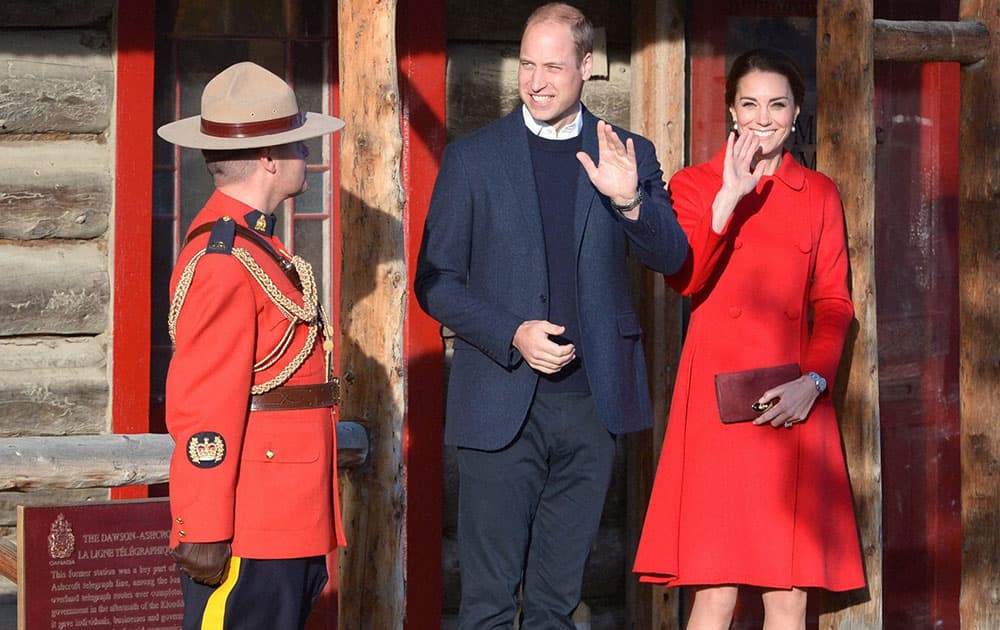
298,397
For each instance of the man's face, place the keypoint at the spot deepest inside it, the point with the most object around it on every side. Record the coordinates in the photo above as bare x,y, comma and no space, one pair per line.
550,76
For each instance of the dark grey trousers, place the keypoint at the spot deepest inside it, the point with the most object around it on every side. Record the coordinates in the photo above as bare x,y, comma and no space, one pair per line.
532,509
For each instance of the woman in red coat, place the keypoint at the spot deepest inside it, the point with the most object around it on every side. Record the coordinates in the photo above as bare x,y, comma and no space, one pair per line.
764,503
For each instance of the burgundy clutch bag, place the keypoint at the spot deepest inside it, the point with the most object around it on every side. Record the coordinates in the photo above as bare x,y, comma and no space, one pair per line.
738,391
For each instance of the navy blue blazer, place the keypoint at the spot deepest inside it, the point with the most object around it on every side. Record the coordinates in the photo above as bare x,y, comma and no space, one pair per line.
482,271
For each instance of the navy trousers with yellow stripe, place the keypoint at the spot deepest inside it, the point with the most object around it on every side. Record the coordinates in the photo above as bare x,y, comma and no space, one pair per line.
256,595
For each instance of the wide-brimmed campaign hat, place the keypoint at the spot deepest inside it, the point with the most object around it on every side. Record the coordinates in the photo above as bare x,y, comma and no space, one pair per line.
246,106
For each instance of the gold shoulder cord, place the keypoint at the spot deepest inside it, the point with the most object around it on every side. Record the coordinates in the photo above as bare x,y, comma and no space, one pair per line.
310,314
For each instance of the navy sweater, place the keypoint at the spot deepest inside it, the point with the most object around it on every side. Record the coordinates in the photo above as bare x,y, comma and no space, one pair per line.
556,172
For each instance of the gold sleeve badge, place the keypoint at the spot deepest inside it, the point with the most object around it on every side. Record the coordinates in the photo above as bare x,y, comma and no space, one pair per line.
206,449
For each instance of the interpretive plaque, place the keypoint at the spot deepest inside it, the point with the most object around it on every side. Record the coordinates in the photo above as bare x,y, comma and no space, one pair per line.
100,565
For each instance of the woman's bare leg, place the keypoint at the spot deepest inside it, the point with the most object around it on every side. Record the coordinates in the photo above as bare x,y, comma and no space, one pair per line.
713,608
785,609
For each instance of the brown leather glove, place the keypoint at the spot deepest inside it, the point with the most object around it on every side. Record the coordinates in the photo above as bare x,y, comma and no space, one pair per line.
205,563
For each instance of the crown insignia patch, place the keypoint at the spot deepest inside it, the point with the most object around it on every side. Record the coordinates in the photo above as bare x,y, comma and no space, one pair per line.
206,449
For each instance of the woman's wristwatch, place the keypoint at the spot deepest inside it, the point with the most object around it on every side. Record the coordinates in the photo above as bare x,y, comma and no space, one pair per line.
818,380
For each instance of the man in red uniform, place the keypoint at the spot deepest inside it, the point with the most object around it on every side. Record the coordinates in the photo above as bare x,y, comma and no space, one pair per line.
253,477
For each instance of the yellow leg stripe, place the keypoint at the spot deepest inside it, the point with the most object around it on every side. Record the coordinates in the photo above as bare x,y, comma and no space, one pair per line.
214,616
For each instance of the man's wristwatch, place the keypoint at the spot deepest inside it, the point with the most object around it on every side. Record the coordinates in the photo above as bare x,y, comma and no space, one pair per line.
818,380
630,205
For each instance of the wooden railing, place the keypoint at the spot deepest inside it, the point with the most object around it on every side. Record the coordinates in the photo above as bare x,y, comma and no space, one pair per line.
110,461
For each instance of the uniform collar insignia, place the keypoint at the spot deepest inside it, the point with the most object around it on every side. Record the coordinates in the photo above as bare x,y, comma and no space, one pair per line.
263,223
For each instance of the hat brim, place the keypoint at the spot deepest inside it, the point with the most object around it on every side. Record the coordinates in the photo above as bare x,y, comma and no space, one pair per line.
187,133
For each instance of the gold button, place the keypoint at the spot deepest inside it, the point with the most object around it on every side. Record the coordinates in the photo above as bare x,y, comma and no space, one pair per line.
269,454
180,520
182,533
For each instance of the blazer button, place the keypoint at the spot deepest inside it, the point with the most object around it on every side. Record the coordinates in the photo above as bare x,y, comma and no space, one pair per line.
182,533
737,243
269,454
180,521
543,299
735,311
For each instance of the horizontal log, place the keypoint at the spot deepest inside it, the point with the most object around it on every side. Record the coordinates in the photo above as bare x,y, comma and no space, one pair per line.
54,13
69,401
53,289
924,41
84,461
53,386
56,82
54,190
482,86
108,461
35,353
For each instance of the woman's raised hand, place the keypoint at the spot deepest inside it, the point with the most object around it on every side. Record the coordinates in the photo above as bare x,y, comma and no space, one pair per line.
739,174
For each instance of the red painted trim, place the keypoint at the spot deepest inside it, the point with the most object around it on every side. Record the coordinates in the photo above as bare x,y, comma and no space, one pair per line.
421,50
708,76
132,241
326,613
940,157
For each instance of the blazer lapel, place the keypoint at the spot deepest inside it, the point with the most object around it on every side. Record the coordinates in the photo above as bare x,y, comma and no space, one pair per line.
515,161
585,191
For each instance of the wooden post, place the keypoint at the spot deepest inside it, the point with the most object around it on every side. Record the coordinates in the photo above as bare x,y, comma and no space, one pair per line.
845,129
373,298
422,61
657,112
8,559
979,316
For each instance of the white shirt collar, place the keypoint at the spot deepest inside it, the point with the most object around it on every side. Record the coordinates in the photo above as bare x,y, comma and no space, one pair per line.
545,130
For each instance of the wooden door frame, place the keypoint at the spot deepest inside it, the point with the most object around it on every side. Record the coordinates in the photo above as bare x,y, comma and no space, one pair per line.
131,251
421,36
421,57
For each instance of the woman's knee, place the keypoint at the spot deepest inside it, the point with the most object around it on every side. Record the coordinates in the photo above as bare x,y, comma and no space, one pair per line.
719,599
785,603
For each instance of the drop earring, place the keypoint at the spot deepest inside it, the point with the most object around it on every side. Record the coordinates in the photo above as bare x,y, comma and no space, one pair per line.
793,124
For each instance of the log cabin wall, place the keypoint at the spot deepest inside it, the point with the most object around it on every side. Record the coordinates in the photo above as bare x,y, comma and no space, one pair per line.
482,50
57,87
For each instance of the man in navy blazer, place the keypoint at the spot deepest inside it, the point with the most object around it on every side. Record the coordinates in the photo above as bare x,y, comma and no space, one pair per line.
524,258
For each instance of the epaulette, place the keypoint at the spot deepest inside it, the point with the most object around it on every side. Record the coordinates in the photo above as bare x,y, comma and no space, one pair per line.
223,235
222,238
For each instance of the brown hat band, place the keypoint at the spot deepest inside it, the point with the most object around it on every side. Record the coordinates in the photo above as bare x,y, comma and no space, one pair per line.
252,129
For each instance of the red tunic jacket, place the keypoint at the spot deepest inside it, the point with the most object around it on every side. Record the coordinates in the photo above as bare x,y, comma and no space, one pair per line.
267,480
